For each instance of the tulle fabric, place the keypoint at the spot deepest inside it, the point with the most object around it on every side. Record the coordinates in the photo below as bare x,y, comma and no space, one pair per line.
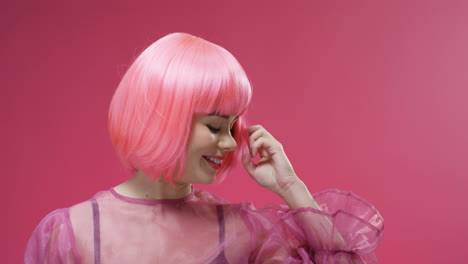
52,241
203,228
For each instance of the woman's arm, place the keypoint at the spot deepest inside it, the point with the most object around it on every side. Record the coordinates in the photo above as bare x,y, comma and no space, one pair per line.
331,235
298,196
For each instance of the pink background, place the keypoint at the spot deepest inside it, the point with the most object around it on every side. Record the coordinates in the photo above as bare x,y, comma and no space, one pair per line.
365,96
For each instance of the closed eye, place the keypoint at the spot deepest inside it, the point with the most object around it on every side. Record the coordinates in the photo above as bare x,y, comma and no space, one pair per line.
213,129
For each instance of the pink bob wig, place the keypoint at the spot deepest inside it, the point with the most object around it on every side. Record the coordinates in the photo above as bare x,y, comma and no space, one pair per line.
173,80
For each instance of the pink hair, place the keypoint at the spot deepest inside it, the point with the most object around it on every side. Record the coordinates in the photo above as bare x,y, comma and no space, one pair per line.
174,79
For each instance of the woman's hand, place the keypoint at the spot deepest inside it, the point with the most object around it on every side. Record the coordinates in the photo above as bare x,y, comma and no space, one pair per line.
273,171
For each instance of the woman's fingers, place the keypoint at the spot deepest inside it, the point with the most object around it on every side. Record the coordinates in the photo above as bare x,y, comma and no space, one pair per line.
262,146
256,145
256,132
261,142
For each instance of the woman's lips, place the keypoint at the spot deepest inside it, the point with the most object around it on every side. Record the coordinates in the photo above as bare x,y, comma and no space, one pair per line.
212,163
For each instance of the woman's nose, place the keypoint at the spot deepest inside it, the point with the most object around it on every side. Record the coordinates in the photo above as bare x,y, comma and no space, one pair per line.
227,143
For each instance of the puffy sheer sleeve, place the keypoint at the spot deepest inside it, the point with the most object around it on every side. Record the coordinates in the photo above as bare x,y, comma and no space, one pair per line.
52,241
346,230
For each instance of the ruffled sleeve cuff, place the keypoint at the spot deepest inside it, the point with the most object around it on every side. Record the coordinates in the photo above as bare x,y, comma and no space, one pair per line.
347,229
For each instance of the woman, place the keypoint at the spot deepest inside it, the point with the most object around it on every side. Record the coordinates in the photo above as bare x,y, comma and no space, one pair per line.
176,120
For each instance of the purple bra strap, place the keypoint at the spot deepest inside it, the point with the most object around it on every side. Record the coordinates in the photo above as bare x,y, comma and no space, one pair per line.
221,258
97,232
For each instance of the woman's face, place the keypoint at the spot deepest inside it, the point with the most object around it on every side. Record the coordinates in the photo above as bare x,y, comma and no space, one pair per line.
209,140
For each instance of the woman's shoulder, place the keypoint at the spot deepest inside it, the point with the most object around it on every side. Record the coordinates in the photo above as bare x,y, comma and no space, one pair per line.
62,215
63,219
83,213
54,233
54,219
54,238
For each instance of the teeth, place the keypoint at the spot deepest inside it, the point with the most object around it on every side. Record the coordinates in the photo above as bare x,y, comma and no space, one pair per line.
217,161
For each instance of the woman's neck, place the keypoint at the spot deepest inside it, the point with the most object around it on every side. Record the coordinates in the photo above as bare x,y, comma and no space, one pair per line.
141,186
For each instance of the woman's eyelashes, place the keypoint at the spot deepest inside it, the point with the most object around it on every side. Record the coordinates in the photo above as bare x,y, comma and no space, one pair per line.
215,129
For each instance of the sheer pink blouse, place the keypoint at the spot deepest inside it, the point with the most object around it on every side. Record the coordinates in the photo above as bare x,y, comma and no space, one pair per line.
203,228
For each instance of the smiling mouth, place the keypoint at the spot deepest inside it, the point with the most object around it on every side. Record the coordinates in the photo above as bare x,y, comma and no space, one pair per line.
214,162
